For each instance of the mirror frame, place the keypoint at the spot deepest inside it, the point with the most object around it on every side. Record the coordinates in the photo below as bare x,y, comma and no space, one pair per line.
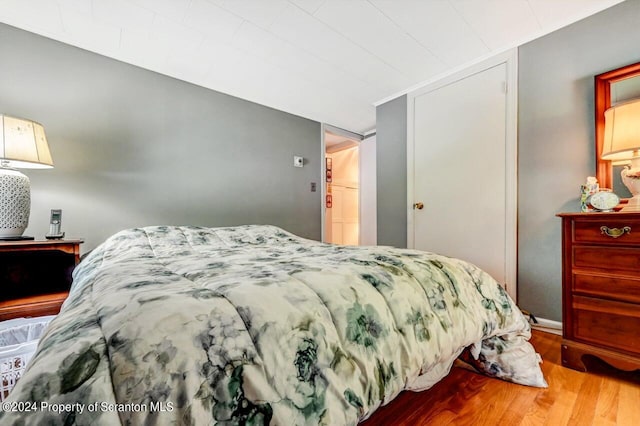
602,103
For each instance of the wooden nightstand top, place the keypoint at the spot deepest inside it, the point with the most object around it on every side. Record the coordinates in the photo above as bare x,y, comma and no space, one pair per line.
20,243
71,245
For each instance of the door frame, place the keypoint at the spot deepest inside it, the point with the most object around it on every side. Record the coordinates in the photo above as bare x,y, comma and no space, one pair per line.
372,213
323,169
510,58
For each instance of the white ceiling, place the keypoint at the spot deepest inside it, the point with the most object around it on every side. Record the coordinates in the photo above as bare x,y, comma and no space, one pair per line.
327,60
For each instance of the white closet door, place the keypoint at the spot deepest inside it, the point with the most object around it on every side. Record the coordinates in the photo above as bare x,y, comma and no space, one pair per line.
344,221
460,170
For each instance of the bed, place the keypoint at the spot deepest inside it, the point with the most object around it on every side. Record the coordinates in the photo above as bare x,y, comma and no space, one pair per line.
254,325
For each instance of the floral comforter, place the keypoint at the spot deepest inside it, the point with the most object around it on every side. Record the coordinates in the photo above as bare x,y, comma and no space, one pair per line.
254,325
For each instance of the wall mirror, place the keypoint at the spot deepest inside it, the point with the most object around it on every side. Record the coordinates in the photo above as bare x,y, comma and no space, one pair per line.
611,88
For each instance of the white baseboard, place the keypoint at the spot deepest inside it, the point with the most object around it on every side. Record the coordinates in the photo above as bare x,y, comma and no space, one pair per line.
548,326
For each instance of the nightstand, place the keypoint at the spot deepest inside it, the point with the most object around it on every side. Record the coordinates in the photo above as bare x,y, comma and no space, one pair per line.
601,289
35,276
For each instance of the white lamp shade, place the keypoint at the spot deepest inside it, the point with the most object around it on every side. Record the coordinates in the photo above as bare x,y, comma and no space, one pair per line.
23,144
621,131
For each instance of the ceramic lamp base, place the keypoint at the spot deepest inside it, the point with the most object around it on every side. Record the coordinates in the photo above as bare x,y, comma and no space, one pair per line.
15,203
633,205
631,179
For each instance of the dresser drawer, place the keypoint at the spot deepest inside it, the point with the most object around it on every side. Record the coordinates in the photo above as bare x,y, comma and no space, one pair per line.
591,231
607,258
606,286
607,323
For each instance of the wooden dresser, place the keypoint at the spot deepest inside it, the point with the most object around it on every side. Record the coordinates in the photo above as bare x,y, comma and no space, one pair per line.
601,289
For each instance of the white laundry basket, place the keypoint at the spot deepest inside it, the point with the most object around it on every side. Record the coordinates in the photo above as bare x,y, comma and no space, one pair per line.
18,341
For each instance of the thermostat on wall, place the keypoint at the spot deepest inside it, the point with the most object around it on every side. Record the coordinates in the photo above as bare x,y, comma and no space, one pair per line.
298,161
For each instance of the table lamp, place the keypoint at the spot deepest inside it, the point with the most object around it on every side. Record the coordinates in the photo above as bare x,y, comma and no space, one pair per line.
622,145
23,145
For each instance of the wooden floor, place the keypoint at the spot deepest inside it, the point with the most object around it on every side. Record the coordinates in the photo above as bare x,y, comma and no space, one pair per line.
603,396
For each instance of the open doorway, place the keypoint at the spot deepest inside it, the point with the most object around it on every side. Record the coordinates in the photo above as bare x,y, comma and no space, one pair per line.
342,182
349,205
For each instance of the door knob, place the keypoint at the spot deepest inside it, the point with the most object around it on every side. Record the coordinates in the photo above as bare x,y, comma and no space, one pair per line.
418,206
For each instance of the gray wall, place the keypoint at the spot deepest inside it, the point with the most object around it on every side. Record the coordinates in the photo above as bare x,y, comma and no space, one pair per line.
134,148
391,164
556,138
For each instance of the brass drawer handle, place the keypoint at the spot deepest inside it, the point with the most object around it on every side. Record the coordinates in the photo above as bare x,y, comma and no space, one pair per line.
615,232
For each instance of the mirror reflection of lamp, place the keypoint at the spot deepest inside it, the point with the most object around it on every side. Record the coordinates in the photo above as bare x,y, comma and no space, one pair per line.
23,145
622,145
